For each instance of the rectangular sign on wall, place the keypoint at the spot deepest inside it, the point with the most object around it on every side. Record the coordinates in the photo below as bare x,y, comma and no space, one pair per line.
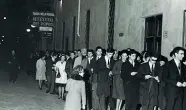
41,19
44,21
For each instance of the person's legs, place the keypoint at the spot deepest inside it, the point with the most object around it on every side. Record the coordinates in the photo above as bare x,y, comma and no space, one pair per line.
59,90
48,83
120,103
117,104
89,96
40,84
112,101
102,103
62,91
179,103
11,77
14,77
170,103
53,77
95,98
128,100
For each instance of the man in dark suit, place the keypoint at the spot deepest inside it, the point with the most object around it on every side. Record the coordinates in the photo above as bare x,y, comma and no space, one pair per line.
50,73
104,74
87,78
174,78
149,74
69,65
131,82
72,56
94,69
14,67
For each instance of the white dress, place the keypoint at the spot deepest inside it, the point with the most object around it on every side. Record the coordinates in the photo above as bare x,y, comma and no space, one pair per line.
61,67
40,69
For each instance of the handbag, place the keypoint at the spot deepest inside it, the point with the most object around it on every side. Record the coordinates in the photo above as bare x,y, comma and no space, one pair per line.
58,74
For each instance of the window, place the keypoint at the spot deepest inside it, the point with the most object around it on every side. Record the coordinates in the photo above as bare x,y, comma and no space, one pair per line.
153,33
63,36
74,33
87,29
66,44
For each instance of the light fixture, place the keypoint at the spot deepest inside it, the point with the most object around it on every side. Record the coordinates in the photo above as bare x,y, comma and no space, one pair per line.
33,26
3,36
2,40
28,30
4,18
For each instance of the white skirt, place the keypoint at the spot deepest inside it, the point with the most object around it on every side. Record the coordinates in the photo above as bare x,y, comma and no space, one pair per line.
62,79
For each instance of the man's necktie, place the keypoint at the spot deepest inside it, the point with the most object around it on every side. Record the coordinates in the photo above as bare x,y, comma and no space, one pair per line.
179,68
109,63
152,69
151,80
97,58
89,60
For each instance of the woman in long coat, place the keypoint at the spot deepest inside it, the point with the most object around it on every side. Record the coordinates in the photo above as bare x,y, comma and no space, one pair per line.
41,69
76,97
118,88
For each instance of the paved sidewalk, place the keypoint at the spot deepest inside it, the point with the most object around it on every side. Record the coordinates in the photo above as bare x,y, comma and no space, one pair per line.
25,95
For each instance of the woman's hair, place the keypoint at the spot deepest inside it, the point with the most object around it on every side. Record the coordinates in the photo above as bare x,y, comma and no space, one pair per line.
42,54
59,57
98,48
122,52
132,51
75,74
163,58
63,55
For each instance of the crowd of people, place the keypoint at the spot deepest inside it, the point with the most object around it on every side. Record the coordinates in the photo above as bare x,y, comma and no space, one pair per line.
102,79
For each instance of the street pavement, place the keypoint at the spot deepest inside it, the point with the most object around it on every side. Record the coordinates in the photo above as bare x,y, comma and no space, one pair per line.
25,95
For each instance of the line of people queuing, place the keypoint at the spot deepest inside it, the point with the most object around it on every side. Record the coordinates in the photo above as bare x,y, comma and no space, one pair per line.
102,79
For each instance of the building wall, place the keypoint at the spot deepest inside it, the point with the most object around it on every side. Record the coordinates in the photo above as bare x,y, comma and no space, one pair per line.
130,19
98,22
58,41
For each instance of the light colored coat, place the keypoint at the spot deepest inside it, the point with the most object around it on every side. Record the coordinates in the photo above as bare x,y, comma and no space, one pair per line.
40,69
77,61
76,96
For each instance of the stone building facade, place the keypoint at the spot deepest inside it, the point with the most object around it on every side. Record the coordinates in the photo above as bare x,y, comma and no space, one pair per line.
130,24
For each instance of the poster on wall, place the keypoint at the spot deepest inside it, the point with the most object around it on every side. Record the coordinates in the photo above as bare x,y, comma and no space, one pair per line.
45,22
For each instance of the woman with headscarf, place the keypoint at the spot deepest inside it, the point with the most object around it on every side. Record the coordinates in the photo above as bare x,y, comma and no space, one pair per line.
76,96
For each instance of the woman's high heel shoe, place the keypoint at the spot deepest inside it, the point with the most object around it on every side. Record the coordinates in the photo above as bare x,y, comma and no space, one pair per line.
40,88
59,97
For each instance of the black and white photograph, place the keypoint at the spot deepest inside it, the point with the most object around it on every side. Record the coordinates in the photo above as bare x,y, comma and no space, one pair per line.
92,54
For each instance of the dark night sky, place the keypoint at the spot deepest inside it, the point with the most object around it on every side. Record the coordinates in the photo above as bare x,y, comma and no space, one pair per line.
14,26
17,12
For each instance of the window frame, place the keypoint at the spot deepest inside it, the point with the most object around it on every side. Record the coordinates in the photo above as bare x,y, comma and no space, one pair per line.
155,33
